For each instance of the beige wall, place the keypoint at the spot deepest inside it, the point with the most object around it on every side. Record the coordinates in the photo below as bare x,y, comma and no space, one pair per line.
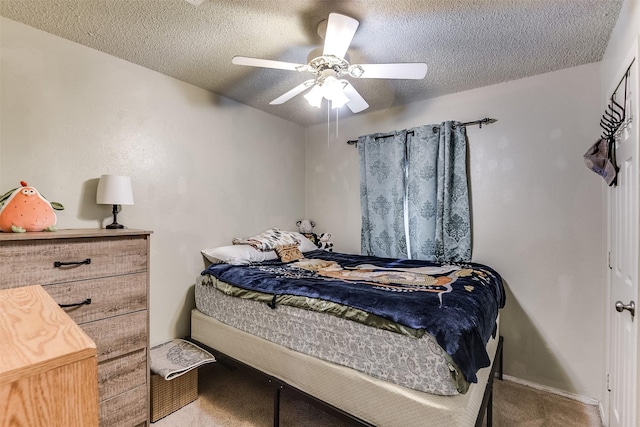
537,212
204,168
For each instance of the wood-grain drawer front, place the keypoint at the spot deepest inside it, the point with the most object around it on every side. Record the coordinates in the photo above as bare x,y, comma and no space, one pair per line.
118,375
125,410
118,335
110,296
31,262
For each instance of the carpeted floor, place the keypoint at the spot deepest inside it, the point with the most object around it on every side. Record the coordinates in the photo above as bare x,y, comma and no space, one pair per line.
232,399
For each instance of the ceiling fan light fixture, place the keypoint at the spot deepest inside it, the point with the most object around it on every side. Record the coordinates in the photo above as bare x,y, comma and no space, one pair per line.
314,96
333,90
330,89
339,100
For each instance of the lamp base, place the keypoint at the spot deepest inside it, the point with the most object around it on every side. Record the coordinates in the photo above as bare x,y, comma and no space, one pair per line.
115,226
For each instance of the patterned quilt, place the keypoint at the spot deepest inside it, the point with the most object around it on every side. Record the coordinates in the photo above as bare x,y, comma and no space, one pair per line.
456,303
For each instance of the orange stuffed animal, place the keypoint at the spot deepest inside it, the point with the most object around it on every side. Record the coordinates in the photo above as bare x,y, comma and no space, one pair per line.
24,209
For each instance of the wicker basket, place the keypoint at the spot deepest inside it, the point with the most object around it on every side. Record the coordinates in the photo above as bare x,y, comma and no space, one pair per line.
169,396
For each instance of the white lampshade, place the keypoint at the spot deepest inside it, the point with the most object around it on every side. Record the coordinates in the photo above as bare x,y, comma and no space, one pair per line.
338,98
314,96
328,88
114,190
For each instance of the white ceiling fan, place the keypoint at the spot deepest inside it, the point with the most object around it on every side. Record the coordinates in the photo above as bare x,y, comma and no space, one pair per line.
330,68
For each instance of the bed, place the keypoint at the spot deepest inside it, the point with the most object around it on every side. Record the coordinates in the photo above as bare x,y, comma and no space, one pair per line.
374,367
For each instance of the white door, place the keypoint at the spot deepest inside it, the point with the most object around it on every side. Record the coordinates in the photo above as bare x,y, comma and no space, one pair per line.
624,245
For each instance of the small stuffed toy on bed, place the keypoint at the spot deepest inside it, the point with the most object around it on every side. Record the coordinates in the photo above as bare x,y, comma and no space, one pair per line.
324,243
24,209
306,229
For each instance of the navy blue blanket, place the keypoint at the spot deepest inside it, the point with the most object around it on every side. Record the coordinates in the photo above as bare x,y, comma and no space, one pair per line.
456,303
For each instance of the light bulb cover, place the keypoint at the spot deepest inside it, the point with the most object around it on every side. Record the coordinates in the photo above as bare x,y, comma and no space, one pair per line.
339,99
314,96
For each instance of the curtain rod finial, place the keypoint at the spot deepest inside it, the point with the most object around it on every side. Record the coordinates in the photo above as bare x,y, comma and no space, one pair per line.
487,121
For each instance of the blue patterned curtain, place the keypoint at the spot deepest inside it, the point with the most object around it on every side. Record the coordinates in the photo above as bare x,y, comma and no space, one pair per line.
433,203
382,194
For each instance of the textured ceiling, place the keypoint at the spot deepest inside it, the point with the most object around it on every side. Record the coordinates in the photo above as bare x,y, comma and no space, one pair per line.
466,43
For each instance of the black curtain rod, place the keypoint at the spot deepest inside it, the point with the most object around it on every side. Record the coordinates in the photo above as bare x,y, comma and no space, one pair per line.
485,121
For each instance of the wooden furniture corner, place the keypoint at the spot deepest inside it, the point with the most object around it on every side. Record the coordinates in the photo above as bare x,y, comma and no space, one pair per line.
48,368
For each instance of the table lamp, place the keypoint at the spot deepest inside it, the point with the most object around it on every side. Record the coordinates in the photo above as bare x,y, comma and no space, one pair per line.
114,190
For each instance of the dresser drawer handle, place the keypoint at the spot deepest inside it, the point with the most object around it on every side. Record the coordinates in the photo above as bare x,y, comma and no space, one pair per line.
78,304
61,264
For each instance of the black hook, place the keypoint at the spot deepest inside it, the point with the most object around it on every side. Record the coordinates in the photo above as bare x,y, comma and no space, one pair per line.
609,129
606,124
613,119
621,108
618,117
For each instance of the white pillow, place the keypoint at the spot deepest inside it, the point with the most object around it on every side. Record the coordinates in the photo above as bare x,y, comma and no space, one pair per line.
238,255
306,245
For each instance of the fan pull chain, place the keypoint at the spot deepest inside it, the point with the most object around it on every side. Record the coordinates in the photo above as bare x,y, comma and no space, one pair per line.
328,121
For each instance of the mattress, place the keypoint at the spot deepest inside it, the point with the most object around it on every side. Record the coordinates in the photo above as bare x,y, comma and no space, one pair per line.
373,400
415,363
457,303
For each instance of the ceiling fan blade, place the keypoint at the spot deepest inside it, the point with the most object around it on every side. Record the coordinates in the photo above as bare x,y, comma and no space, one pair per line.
265,63
293,92
356,101
409,70
340,32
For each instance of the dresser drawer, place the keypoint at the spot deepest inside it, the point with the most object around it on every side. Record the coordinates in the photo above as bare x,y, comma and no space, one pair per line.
32,261
125,410
118,375
117,336
110,296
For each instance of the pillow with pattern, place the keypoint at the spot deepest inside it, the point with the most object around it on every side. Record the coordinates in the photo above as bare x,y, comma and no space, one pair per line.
288,253
268,240
238,255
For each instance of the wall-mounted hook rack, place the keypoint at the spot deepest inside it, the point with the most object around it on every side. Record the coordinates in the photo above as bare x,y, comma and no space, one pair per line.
615,114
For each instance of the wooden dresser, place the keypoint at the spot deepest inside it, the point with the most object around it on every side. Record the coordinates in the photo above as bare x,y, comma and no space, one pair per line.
103,278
